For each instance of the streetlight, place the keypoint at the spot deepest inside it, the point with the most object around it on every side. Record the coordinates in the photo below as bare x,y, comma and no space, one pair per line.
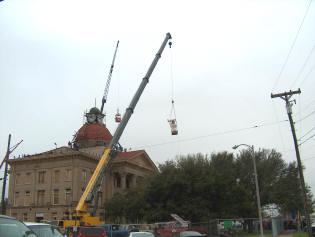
257,188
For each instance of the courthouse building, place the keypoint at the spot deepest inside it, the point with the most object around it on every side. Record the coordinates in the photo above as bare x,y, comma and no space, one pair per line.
46,185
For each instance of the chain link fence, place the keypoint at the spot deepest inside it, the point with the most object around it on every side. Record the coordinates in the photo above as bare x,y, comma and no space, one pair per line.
226,227
231,227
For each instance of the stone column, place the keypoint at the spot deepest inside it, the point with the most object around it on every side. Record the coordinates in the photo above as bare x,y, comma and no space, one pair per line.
134,180
112,180
123,179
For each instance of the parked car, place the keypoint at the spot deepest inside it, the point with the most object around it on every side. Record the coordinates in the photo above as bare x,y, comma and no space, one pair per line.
10,226
168,229
141,234
187,234
43,229
130,227
114,230
90,231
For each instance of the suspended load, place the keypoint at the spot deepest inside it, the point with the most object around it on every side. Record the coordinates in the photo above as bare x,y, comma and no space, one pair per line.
172,121
117,117
173,125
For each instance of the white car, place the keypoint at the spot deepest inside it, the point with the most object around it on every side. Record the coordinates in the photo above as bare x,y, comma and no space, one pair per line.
141,234
11,227
44,230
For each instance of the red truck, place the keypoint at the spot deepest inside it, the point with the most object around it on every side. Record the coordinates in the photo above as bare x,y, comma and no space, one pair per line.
168,229
89,231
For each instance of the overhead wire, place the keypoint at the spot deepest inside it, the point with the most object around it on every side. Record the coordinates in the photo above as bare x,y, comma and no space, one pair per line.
306,133
300,113
212,134
307,139
302,68
292,46
308,105
305,117
277,119
307,75
309,158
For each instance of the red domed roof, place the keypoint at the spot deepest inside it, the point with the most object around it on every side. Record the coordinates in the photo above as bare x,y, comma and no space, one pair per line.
93,131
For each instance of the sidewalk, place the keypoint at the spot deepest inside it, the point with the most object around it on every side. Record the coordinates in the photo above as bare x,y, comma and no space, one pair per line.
287,233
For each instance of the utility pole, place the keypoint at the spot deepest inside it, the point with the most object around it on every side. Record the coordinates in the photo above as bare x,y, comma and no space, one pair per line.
3,206
286,97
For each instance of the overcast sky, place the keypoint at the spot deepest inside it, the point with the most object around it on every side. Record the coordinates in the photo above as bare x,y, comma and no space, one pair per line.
226,60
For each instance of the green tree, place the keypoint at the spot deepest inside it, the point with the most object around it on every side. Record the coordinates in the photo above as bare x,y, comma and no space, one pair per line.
200,188
288,193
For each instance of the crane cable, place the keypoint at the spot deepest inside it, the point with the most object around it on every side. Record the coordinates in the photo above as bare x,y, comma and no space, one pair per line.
172,83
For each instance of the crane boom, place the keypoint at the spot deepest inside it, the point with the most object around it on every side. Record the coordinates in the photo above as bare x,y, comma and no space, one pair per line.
109,79
107,157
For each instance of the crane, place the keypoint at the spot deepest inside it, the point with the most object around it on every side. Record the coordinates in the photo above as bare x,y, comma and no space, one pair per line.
104,99
81,216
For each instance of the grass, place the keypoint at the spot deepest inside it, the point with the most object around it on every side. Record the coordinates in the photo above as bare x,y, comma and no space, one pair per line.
267,233
300,234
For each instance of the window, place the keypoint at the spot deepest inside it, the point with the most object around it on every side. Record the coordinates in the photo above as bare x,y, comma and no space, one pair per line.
27,200
28,178
41,177
24,216
68,174
84,176
40,197
18,178
117,181
57,176
56,197
68,196
129,179
16,198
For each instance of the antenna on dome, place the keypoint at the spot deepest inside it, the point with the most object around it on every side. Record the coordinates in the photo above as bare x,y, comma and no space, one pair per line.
83,116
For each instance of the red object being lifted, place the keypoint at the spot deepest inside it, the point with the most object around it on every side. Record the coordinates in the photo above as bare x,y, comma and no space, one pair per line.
117,117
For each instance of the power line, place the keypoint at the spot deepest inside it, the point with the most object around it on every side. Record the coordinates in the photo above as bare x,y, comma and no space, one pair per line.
307,75
305,62
212,135
309,158
306,107
305,117
307,139
306,133
275,112
292,46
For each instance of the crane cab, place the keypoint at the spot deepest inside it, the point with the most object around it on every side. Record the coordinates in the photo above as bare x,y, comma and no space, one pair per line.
118,117
173,125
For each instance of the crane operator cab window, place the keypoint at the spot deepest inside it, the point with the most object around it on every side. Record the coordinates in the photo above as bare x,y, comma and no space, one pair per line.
173,125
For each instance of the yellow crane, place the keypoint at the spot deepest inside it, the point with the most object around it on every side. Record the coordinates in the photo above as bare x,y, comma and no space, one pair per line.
81,217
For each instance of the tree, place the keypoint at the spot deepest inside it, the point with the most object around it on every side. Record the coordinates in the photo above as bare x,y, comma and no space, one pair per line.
287,191
199,188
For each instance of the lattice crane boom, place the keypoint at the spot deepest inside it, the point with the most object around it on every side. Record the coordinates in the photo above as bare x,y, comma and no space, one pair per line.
104,99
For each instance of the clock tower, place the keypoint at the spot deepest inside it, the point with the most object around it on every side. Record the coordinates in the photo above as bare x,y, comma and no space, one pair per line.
94,132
